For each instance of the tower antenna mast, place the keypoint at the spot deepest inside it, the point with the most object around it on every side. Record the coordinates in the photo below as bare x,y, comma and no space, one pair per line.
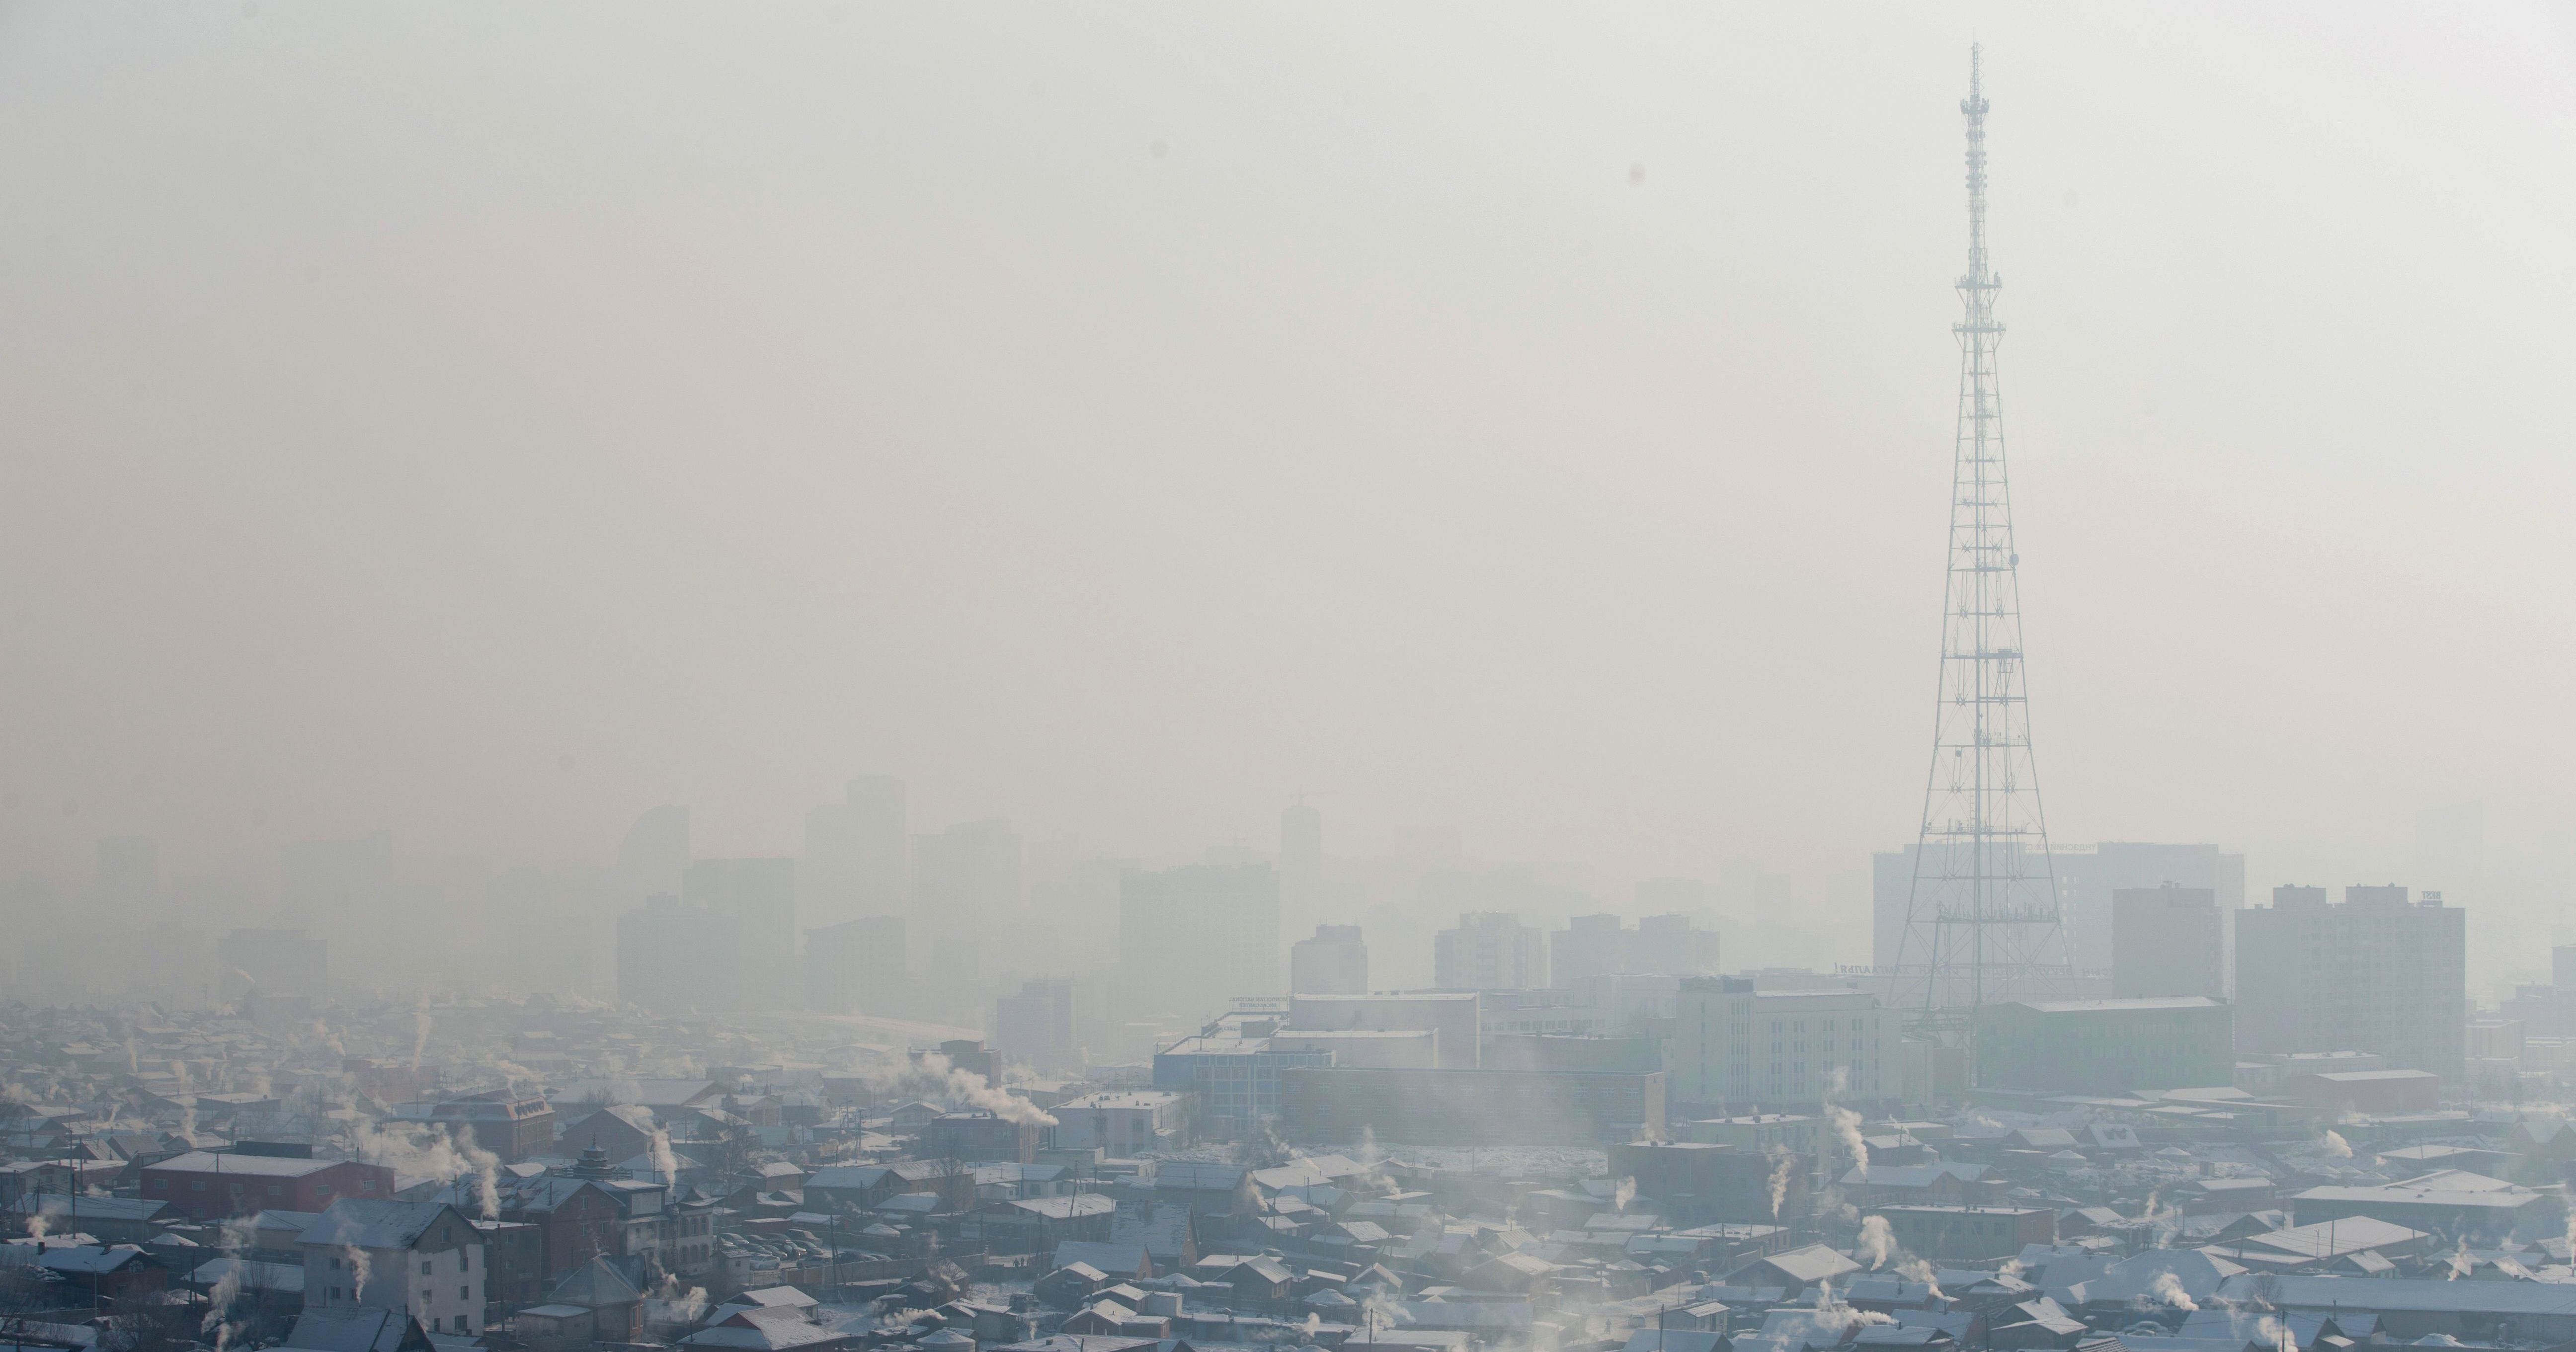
1982,918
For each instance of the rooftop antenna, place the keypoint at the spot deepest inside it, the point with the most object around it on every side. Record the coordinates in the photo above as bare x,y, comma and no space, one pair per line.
1982,916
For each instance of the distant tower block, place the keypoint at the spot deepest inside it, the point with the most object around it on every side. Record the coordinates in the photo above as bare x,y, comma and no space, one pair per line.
1982,918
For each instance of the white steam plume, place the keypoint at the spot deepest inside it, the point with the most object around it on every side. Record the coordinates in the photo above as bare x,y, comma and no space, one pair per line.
1846,1125
1781,1163
2336,1146
409,1149
1626,1193
359,1270
970,1088
664,1162
2167,1291
1877,1242
237,1235
419,1036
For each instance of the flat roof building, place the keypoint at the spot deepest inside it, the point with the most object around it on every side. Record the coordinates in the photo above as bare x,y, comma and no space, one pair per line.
2105,1046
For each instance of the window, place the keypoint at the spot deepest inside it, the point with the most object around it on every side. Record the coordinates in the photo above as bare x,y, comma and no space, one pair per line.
424,1268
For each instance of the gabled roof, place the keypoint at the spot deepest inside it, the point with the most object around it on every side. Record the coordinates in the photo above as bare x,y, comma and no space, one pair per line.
594,1285
1807,1265
356,1329
366,1223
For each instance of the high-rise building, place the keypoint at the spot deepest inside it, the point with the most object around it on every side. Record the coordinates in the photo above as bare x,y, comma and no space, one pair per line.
1191,939
1489,951
1334,962
2377,973
1735,1047
2086,879
967,879
758,897
1036,1025
855,966
1588,946
672,957
2168,941
1670,945
1603,945
857,855
654,854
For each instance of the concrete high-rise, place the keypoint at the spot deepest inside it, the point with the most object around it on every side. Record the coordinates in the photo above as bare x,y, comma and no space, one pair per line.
1036,1025
755,899
855,966
1191,939
967,879
1489,951
2086,880
857,855
2168,941
1334,962
654,854
672,957
2376,974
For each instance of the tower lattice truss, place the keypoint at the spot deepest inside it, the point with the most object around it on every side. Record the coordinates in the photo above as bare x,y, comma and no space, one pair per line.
1983,913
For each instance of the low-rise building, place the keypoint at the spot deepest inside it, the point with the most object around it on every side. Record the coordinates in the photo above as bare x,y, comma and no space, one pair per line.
2105,1046
1491,1107
209,1185
1969,1234
1123,1123
512,1125
1700,1183
422,1258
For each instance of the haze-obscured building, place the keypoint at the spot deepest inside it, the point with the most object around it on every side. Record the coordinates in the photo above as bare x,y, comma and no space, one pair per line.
1489,951
2377,973
1196,937
1333,962
2168,941
2106,1046
1735,1045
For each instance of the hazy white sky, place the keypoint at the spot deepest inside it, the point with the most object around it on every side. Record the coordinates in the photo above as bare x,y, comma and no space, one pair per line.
489,421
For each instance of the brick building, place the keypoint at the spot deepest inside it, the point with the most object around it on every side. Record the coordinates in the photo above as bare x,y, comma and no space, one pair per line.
206,1185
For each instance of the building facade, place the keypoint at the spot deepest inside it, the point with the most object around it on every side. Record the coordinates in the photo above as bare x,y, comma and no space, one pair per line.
422,1258
2106,1046
511,1125
2377,973
1338,1104
1489,951
2168,941
211,1186
1735,1047
1334,962
1192,939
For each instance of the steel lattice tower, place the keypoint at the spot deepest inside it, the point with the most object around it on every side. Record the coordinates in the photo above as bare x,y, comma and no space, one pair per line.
1982,917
